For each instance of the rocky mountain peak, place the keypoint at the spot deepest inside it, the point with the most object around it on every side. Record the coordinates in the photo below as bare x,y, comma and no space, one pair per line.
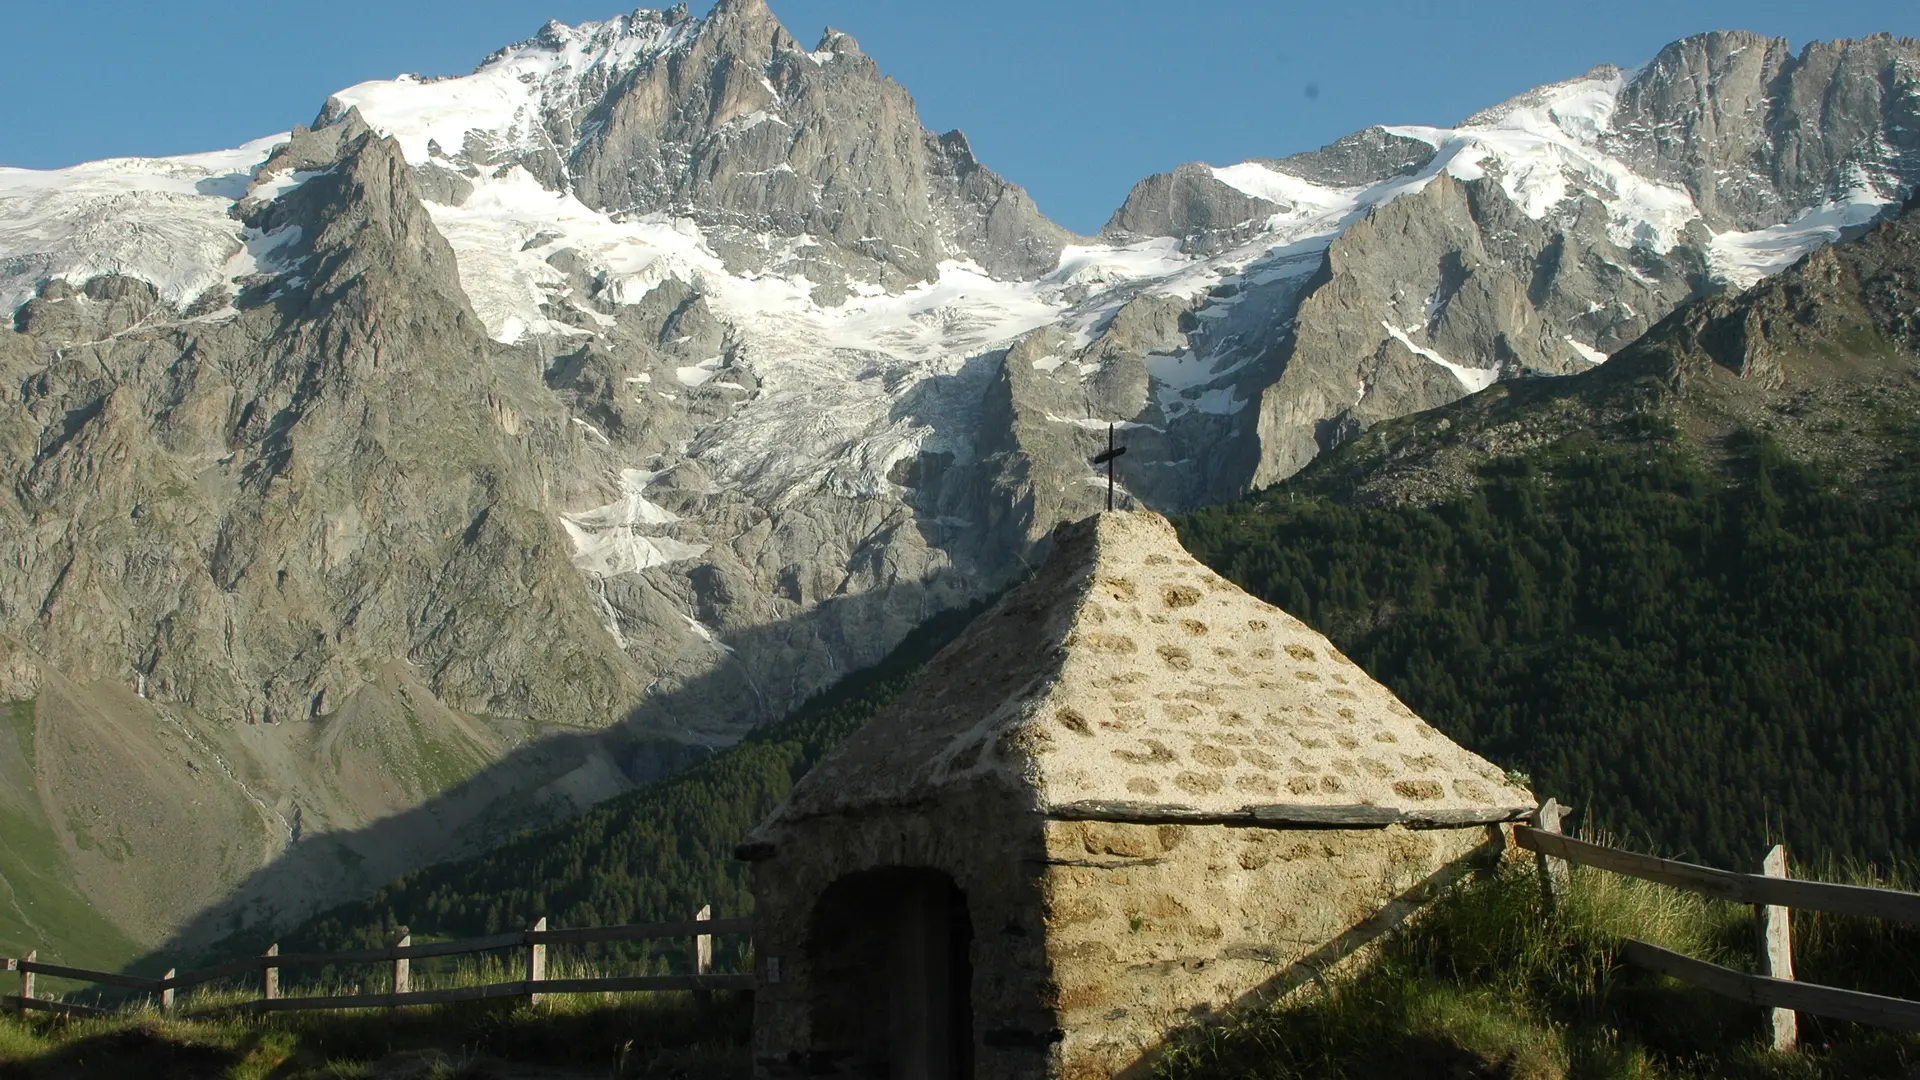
838,42
741,10
788,160
1368,156
745,30
1192,204
1755,132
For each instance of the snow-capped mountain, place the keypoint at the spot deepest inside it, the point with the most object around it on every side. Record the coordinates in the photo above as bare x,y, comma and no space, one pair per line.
662,370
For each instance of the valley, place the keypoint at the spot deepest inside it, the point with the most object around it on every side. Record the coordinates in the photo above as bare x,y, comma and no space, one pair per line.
499,445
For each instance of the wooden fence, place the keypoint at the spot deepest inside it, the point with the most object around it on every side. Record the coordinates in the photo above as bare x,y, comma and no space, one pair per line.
531,944
1772,893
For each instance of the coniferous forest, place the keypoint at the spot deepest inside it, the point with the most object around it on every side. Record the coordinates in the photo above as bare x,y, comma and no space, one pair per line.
1706,660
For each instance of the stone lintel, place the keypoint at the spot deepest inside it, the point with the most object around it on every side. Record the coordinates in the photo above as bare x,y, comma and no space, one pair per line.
1357,816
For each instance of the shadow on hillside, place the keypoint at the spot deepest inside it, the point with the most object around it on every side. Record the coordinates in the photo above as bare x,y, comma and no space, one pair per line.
967,513
538,784
647,1036
763,674
970,499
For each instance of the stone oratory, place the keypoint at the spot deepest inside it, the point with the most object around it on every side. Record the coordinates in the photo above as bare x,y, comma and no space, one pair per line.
1127,796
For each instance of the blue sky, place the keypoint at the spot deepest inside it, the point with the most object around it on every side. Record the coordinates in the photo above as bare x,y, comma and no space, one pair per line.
1075,99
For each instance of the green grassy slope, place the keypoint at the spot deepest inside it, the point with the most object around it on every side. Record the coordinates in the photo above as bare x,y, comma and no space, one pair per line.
628,1037
39,907
1487,985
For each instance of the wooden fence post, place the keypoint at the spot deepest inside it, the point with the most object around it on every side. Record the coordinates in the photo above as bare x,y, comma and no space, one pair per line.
1776,951
166,990
536,963
1554,874
402,969
703,957
703,944
270,975
26,979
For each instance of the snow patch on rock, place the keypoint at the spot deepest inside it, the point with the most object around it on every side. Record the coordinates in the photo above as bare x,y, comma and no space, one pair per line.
1742,258
507,99
1474,379
608,541
1586,352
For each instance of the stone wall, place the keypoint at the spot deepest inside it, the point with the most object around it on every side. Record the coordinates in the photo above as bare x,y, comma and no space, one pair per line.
1090,941
1152,927
991,851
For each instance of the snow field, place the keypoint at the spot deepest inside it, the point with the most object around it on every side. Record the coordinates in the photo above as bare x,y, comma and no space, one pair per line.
165,221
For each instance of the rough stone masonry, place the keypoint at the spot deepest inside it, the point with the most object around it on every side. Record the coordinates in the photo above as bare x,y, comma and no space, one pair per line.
1128,796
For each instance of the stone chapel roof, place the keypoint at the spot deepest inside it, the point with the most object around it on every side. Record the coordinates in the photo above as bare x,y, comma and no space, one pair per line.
1126,681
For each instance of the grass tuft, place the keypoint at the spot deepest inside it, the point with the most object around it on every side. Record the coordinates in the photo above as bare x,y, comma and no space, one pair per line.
1486,984
602,1036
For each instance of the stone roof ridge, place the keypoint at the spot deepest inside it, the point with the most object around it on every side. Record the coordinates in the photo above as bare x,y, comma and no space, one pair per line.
1183,697
1127,681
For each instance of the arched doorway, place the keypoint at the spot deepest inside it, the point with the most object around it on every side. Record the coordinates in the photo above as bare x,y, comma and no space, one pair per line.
891,981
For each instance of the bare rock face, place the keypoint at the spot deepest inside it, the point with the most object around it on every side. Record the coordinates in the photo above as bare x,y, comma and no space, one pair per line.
1757,133
1364,157
1455,271
293,567
1802,356
1191,204
739,128
1845,316
240,516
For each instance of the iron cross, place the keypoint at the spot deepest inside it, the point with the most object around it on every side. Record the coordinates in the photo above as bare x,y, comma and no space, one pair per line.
1107,460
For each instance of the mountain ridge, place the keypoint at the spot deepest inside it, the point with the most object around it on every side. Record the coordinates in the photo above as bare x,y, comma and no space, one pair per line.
1671,517
1812,357
392,427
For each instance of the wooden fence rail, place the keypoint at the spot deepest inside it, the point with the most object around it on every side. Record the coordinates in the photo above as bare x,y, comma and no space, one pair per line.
1728,885
1777,993
399,955
1772,893
516,989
